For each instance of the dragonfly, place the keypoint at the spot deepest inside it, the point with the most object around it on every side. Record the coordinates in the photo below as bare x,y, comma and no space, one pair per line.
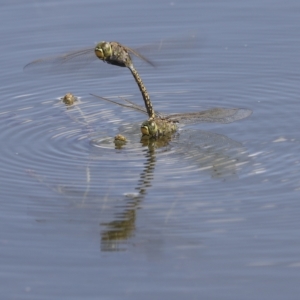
165,125
112,53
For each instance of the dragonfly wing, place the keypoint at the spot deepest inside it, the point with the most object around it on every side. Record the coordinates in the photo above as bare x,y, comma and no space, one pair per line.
140,56
136,107
132,105
82,57
214,115
72,60
170,50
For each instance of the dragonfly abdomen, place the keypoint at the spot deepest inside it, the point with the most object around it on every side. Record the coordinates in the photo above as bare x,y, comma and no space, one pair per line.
144,92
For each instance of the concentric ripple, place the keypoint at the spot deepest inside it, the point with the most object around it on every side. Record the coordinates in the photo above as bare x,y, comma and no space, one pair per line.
49,142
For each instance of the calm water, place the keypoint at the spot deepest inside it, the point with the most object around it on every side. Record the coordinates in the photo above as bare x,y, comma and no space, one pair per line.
213,214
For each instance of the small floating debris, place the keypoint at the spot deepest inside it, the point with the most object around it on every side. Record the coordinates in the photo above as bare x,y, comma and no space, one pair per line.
120,140
69,99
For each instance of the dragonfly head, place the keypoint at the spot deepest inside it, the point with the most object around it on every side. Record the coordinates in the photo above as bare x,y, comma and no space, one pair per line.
103,50
149,127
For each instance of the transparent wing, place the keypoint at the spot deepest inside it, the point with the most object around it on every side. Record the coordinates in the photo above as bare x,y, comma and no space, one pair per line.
81,58
140,56
73,60
173,47
214,115
131,105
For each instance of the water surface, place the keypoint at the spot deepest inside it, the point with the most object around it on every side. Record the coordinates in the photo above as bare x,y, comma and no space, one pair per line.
211,214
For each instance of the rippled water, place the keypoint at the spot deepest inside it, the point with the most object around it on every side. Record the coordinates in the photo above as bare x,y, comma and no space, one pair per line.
212,213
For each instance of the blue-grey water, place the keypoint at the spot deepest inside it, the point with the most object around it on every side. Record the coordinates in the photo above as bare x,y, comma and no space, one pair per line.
213,214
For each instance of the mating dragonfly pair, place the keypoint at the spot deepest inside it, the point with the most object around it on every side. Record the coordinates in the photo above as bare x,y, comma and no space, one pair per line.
157,124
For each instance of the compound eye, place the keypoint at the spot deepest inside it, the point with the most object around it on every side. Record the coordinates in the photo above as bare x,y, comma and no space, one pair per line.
99,53
103,50
145,130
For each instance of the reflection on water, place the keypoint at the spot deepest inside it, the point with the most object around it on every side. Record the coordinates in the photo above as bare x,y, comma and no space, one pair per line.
86,143
192,219
123,226
191,229
213,154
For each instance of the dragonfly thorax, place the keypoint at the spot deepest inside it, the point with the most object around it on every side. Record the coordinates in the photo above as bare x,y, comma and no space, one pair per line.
113,53
103,50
